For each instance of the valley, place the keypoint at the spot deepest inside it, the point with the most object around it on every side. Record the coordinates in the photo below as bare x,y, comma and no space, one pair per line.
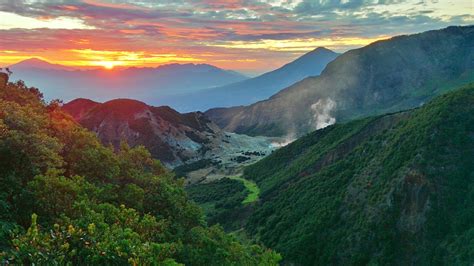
363,192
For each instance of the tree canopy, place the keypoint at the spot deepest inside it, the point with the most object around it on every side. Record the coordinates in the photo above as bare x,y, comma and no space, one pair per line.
67,199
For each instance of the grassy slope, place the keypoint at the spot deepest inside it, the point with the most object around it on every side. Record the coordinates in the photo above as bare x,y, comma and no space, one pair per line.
226,201
252,188
391,189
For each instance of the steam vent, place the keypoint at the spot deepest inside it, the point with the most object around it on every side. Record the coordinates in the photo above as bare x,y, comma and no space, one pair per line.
3,80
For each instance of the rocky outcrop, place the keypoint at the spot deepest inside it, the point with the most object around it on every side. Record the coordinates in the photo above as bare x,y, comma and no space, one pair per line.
172,137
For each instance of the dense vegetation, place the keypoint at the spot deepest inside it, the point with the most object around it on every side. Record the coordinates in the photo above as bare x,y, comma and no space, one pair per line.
66,199
394,189
184,169
222,201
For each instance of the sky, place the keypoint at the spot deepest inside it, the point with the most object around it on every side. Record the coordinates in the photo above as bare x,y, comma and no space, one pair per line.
251,36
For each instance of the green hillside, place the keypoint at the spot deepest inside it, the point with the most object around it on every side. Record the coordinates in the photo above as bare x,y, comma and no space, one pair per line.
227,201
67,200
393,189
221,201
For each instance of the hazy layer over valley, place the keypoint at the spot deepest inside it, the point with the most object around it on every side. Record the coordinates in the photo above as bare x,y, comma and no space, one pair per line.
184,87
152,85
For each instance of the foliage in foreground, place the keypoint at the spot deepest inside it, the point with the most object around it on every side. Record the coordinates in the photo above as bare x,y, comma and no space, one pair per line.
66,199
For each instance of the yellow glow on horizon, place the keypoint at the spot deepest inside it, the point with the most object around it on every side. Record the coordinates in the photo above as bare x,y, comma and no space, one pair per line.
86,58
301,45
110,59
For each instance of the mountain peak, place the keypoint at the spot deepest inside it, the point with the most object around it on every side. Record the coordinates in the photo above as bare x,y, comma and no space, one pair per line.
319,51
79,107
38,63
316,55
323,49
125,105
35,60
125,102
82,101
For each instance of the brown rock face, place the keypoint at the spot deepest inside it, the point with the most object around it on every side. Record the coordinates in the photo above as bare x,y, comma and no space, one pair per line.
171,137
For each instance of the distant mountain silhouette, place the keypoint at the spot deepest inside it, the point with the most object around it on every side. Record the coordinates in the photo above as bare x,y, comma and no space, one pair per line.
185,87
151,85
259,88
386,76
36,63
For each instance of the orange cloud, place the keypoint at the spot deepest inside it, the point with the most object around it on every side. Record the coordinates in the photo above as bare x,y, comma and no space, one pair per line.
236,34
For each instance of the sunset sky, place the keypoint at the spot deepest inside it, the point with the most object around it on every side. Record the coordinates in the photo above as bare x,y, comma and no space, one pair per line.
245,35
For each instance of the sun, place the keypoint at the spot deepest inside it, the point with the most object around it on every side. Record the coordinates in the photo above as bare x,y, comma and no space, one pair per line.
108,65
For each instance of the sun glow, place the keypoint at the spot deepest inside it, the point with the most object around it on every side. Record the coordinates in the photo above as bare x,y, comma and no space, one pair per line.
107,64
113,59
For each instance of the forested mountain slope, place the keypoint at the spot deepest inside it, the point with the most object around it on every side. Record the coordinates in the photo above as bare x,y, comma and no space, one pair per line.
395,74
396,189
68,200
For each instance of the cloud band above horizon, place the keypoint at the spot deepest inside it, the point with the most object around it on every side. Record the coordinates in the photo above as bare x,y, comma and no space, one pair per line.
245,35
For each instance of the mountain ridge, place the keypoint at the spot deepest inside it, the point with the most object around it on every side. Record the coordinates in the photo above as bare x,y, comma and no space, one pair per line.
34,62
151,85
389,75
261,87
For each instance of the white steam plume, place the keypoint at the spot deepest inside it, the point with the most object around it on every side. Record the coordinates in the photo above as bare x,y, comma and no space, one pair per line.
283,142
322,113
